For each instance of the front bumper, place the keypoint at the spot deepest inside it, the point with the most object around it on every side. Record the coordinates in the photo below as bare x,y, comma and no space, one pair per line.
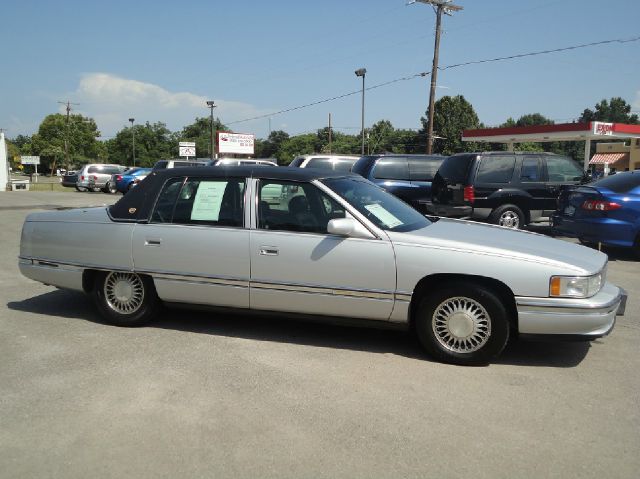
567,318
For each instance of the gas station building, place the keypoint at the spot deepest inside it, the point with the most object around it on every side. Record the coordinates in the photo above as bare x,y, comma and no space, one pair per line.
617,156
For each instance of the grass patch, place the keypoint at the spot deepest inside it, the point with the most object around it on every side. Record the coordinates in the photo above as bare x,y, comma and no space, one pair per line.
48,187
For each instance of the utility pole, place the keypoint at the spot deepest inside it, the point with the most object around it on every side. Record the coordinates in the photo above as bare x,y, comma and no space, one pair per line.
440,7
211,104
329,133
66,140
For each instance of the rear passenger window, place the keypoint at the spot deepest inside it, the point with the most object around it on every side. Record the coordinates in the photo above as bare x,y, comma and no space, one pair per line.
530,170
496,169
214,202
391,169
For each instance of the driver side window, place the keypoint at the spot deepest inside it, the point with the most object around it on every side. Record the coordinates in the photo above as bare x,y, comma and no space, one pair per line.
293,206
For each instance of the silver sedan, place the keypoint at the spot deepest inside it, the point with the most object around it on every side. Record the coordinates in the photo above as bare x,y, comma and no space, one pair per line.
311,243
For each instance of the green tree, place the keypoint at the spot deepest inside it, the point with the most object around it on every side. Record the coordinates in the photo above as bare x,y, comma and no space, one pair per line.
154,142
269,148
452,115
616,110
200,132
80,133
296,145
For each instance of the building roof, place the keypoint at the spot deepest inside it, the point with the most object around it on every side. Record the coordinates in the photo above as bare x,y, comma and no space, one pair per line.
594,130
608,158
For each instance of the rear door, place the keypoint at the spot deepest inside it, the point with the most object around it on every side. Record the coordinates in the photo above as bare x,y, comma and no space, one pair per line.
452,176
531,178
196,246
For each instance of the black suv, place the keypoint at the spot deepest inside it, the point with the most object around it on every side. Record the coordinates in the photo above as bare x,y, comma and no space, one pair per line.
504,188
406,176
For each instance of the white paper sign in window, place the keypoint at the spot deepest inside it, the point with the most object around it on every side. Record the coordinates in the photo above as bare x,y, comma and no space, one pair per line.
383,215
208,200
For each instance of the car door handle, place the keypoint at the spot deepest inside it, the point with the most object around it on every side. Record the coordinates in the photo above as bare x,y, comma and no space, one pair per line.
152,242
269,251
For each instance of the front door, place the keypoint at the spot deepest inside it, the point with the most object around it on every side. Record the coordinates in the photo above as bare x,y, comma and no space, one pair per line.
296,266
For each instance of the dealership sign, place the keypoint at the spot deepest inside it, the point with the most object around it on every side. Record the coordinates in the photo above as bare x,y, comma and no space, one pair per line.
600,128
187,148
240,143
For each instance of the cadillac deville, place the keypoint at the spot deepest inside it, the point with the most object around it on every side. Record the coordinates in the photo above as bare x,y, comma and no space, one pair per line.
312,243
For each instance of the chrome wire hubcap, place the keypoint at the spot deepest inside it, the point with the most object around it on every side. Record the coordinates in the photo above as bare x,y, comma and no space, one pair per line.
509,219
124,292
461,325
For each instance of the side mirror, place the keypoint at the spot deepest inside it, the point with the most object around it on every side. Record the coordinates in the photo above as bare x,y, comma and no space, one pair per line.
348,227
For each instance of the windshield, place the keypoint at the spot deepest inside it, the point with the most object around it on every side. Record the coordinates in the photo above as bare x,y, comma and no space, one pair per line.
381,208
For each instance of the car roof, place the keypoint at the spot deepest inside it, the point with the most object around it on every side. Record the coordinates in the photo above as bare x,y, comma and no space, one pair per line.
137,204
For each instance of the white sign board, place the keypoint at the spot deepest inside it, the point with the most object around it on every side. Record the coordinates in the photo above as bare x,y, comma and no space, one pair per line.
240,143
187,148
30,160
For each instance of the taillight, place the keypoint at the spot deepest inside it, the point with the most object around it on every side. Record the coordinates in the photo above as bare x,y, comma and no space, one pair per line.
592,205
469,194
118,177
82,177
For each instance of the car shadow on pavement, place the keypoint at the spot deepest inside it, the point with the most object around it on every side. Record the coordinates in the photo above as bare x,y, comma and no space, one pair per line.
73,305
555,354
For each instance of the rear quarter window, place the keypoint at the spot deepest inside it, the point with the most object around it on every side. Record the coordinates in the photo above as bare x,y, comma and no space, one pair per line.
424,169
390,168
496,169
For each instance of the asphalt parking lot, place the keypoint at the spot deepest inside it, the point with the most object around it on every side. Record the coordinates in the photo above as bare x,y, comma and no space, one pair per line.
200,395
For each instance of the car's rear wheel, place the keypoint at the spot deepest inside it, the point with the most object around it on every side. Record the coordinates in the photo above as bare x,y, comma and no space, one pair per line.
462,323
636,247
125,299
509,216
80,188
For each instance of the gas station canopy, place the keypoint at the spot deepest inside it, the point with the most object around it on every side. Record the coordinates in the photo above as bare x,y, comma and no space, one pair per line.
594,130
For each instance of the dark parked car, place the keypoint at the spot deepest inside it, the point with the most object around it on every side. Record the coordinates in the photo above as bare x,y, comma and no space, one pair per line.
509,189
70,179
406,176
127,180
606,211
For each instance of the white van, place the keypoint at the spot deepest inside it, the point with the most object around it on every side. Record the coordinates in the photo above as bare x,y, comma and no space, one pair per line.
325,162
246,162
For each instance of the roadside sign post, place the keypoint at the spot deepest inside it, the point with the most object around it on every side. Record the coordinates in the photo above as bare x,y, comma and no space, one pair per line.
31,160
187,149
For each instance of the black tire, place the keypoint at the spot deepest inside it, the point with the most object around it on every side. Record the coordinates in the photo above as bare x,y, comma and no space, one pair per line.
509,216
474,312
139,309
636,247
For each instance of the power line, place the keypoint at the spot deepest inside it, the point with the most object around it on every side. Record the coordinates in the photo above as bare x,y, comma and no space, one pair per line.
447,67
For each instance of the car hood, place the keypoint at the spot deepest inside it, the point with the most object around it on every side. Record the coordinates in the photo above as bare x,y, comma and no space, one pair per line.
469,236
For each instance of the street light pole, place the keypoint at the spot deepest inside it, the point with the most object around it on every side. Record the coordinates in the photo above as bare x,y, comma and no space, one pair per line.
133,140
211,104
361,72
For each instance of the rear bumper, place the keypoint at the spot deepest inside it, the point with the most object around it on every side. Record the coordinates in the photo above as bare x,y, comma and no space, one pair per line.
595,230
449,211
564,318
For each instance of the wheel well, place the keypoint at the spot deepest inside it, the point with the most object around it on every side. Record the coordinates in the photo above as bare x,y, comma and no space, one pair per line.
437,281
519,204
89,280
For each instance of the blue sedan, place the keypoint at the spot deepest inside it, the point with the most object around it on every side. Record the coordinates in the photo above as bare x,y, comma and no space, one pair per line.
130,178
606,211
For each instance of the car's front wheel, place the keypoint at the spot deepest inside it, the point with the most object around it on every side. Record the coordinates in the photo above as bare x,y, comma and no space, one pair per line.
462,323
125,299
509,216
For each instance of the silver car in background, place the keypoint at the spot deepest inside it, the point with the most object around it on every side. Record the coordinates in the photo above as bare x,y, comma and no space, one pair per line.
96,176
331,246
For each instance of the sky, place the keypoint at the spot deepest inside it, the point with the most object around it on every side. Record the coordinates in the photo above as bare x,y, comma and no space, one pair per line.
159,61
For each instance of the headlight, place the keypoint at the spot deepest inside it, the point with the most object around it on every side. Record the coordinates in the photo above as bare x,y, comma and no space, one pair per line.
575,286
